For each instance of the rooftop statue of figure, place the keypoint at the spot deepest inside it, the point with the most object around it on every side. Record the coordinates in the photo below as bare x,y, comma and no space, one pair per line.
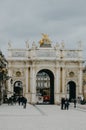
57,45
80,45
45,39
27,44
62,44
9,44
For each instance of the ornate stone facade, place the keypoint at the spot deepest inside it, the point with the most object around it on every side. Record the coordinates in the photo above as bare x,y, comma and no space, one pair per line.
60,72
84,83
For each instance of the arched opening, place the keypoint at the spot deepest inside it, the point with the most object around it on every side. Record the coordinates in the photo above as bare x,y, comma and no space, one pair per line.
18,89
71,90
45,87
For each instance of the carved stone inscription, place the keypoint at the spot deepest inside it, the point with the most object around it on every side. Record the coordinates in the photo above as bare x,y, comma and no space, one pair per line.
18,54
45,53
72,54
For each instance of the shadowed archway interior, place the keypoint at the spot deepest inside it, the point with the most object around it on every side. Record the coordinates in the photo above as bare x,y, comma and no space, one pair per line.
72,90
45,86
18,89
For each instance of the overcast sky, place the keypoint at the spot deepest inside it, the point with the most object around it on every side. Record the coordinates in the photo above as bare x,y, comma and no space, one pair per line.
22,20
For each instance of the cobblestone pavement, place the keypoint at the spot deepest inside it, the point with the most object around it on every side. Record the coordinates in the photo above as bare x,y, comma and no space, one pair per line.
42,117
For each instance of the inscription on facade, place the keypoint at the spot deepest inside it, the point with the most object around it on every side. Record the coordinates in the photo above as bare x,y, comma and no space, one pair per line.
72,54
41,53
18,54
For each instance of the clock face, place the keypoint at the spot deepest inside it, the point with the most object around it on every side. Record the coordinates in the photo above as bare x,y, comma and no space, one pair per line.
18,73
71,74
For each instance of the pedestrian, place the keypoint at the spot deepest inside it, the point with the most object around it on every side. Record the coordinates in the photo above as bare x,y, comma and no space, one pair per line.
74,103
62,103
24,102
19,100
66,104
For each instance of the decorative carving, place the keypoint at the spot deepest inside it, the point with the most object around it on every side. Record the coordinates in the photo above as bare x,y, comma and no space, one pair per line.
71,74
18,73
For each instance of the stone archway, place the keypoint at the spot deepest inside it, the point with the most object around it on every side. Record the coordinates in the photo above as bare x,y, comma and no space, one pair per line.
45,87
71,89
18,89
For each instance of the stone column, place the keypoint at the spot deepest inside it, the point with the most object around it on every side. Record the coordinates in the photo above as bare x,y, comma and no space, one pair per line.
57,85
32,85
27,80
63,80
10,86
80,81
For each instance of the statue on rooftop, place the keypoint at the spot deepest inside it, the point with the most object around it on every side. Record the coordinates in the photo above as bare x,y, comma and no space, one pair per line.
62,44
79,44
9,44
45,39
27,44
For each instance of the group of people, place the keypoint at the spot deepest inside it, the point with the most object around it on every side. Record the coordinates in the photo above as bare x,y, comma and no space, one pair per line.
64,104
20,99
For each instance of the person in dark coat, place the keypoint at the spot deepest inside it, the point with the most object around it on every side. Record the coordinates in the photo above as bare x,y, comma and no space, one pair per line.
74,103
62,103
19,100
24,102
66,104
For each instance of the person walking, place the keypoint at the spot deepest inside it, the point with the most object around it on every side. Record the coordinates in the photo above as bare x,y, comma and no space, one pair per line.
74,103
66,104
62,103
24,102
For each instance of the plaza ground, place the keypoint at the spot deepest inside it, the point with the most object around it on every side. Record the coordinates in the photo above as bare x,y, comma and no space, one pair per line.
42,117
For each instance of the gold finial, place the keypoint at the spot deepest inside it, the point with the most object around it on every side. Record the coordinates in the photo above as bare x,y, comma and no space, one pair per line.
45,39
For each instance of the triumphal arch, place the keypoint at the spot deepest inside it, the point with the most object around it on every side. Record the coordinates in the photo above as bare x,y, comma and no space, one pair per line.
45,72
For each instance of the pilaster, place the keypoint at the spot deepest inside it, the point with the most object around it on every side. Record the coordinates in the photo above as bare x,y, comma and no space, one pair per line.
57,84
63,80
80,81
33,85
27,76
10,86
